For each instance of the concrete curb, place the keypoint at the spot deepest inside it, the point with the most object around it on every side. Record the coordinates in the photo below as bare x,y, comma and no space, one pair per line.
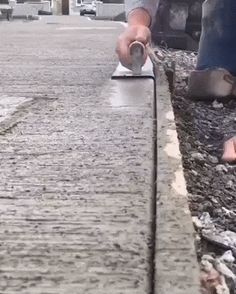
176,267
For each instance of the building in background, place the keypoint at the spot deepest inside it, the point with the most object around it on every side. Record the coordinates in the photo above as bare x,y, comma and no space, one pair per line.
29,8
106,9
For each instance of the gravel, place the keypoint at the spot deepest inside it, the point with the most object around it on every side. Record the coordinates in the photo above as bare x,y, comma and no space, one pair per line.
202,129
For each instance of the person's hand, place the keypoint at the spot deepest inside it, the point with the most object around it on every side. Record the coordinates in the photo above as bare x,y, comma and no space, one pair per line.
133,33
229,154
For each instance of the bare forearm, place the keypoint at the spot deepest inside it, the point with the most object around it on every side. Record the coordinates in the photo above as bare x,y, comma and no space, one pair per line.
141,11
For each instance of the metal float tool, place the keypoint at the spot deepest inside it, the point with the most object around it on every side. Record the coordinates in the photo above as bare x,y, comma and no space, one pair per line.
138,69
135,86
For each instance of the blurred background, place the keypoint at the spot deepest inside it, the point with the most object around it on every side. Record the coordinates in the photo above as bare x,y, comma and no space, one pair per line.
178,22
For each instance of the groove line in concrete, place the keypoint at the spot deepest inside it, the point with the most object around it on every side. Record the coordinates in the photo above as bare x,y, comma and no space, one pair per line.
154,200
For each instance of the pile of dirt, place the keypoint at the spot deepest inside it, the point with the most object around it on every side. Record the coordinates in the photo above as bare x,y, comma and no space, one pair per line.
202,129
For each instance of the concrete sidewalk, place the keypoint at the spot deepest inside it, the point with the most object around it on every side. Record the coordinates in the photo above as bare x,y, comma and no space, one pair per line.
76,187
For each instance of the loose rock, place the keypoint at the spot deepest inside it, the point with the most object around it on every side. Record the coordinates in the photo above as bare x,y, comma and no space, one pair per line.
206,265
230,184
208,258
217,105
207,222
221,168
223,269
198,156
225,239
213,159
227,257
197,223
194,172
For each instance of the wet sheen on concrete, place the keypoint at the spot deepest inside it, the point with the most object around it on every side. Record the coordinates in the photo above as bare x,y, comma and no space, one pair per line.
76,168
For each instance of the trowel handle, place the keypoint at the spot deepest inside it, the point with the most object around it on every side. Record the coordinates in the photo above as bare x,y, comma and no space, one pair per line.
137,52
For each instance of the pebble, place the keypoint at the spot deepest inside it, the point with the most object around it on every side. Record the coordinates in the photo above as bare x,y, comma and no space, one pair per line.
214,200
206,205
223,239
217,105
221,168
206,265
229,184
196,222
229,238
208,257
188,146
198,156
198,239
223,269
213,159
206,221
228,212
194,172
227,257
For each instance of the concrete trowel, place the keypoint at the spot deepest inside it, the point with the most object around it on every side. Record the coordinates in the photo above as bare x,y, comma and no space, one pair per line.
138,69
133,87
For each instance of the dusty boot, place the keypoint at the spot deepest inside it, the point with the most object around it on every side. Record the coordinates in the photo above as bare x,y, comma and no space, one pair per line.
215,74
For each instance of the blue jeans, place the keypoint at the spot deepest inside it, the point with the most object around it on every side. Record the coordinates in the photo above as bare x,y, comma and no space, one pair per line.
217,48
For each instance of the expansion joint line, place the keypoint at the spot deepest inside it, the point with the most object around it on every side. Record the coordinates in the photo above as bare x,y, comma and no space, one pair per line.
154,193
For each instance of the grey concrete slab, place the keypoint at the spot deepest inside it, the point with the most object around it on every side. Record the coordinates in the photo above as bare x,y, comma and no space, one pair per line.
76,187
176,267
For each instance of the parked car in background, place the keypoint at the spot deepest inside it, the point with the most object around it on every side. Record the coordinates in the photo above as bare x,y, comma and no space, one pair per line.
88,7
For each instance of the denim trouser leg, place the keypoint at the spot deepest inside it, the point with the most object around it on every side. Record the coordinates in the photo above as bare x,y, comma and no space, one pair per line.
217,47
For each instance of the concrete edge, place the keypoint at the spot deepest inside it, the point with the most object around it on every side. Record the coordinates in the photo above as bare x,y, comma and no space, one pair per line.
176,267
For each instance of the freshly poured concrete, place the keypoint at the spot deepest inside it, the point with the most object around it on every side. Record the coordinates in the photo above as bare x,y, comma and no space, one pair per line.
76,166
77,151
131,92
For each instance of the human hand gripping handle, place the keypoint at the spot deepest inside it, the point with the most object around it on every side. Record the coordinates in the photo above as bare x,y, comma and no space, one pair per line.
134,36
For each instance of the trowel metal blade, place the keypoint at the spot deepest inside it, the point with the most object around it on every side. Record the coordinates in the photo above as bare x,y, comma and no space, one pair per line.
147,72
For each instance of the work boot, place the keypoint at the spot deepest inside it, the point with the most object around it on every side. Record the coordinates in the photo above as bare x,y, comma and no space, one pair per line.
215,74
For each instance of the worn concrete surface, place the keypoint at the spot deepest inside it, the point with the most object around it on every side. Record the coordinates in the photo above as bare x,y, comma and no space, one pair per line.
76,171
176,269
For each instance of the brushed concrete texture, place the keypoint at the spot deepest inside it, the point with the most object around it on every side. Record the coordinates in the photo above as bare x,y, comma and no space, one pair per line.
76,171
176,269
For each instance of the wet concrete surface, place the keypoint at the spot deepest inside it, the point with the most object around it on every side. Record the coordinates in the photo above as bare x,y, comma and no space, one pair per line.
130,92
76,172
